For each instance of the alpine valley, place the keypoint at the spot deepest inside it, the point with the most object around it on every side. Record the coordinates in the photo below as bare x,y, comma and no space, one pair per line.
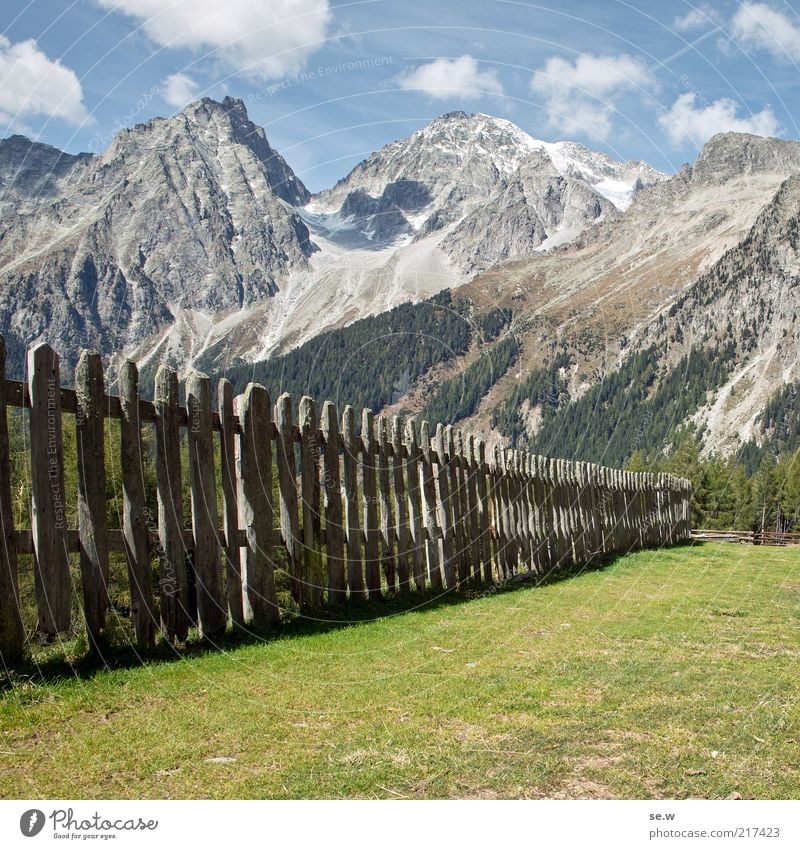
543,292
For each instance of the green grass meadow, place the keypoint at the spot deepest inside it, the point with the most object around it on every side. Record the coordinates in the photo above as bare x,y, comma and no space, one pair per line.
667,674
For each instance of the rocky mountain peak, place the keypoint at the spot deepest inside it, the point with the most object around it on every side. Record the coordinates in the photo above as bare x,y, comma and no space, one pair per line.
210,130
728,155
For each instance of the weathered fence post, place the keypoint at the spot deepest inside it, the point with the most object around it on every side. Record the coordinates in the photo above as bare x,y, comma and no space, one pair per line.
461,504
484,513
434,532
310,496
400,504
355,573
11,632
256,505
472,508
371,530
136,518
332,493
287,487
444,511
90,444
384,495
212,609
230,507
48,504
414,503
173,586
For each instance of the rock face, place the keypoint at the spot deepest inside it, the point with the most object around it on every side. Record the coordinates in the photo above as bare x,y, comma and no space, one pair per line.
483,186
703,258
191,237
195,212
750,300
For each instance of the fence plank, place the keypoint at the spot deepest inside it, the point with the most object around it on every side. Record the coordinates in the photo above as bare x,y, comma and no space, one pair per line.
172,582
310,498
414,504
371,529
444,510
256,510
136,517
400,504
287,486
234,594
212,607
332,494
90,445
12,636
434,532
471,473
48,521
355,573
458,552
484,513
385,504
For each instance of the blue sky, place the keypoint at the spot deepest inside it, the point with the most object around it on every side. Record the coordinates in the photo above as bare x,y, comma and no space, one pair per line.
331,81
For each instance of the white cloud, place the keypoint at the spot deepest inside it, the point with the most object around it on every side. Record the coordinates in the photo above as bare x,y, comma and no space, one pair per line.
580,96
687,122
444,78
697,18
260,38
179,89
32,84
762,27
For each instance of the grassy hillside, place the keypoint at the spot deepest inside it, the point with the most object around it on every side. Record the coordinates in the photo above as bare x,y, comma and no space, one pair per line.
667,674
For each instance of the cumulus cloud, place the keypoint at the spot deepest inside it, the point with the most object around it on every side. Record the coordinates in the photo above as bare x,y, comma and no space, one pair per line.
700,16
260,39
179,89
581,96
443,78
760,26
687,122
32,84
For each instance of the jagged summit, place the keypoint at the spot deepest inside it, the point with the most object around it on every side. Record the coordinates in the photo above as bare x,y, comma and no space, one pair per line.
727,155
180,219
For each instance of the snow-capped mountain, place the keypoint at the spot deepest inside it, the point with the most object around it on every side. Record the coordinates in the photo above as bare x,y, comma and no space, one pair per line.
190,236
483,185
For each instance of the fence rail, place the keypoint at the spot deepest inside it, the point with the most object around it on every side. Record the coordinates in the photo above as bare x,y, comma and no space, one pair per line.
386,507
777,538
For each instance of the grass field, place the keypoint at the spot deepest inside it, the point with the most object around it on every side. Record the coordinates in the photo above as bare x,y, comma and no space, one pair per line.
666,674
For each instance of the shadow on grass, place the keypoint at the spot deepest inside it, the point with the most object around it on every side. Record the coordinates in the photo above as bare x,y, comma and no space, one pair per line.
59,667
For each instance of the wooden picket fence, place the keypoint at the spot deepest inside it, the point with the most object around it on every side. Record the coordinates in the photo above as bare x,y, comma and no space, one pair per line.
392,506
